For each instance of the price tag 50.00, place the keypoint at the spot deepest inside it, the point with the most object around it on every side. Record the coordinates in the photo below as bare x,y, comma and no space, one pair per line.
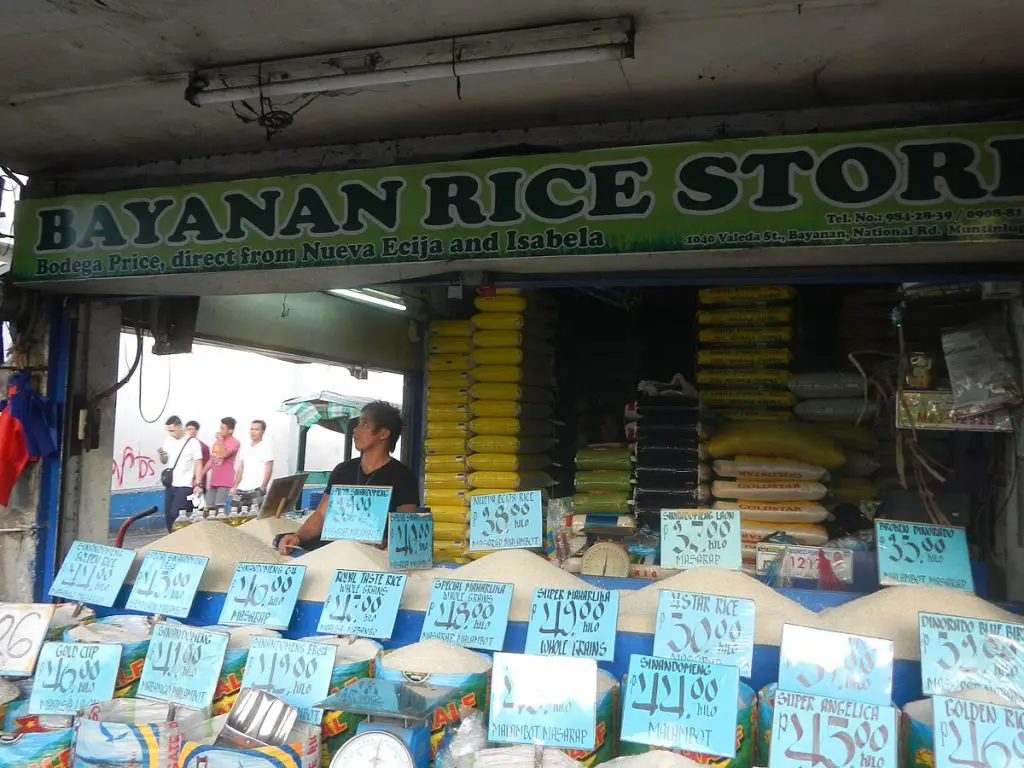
708,628
70,676
22,631
362,603
974,734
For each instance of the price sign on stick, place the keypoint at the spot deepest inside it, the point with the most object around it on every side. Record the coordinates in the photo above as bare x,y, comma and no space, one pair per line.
70,676
506,521
836,664
687,705
22,631
263,595
813,730
92,573
472,614
410,541
573,622
928,555
183,665
973,734
297,672
696,539
958,654
357,513
543,700
166,583
362,603
709,628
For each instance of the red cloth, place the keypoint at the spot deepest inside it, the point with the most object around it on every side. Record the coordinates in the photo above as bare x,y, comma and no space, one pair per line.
13,454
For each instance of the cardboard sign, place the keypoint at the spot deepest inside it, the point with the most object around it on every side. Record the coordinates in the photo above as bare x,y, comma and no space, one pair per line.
923,555
573,622
295,671
506,521
166,584
836,665
697,539
972,734
22,631
958,654
262,595
70,676
711,628
362,603
410,541
92,573
472,614
183,665
357,513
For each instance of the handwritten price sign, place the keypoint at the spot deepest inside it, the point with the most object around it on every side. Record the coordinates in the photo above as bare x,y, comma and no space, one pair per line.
543,700
709,628
472,614
836,665
362,603
410,541
959,653
357,513
92,573
262,595
815,730
298,672
573,622
22,631
685,705
70,676
167,584
701,539
930,555
183,665
506,521
972,734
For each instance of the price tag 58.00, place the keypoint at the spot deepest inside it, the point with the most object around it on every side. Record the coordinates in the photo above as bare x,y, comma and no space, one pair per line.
506,521
22,631
974,734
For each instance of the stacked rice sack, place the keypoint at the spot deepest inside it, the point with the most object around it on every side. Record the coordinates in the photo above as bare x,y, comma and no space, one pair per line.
446,475
743,355
603,480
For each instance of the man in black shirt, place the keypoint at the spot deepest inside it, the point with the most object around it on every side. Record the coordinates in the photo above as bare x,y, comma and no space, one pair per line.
380,426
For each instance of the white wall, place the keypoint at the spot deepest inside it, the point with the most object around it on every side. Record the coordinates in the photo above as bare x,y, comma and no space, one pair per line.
213,382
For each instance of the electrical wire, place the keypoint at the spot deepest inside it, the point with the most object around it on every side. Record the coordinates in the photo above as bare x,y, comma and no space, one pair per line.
167,397
136,364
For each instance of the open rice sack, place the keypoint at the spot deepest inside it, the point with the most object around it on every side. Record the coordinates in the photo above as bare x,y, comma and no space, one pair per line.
38,749
198,750
233,669
132,633
121,731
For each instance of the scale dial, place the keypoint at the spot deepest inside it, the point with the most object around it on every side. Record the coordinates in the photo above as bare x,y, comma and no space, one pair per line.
373,749
605,559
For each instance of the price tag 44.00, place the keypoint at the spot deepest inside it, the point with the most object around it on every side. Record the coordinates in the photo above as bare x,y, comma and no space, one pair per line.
22,631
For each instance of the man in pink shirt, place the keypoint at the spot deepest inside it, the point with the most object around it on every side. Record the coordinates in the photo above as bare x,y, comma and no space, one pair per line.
222,464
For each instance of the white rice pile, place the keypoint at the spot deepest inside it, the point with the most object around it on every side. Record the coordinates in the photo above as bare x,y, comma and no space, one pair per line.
241,637
436,657
267,529
923,711
223,545
638,610
338,555
416,595
656,758
113,629
349,649
891,613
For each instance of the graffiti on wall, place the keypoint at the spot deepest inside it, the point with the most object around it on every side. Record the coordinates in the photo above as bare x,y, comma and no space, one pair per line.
134,469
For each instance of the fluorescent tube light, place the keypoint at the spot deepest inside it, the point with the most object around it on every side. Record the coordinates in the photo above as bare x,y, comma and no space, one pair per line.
370,296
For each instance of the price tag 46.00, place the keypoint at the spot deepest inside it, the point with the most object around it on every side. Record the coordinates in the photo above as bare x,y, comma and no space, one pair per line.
410,541
167,583
362,603
709,628
573,622
698,539
296,671
975,734
836,665
928,555
183,665
70,676
92,573
506,521
263,595
22,631
472,614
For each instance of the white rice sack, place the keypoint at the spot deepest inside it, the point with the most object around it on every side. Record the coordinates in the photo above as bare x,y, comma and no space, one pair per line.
521,757
763,490
767,468
858,465
827,384
839,411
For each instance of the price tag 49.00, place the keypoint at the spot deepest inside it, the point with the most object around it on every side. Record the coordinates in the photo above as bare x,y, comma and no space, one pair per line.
167,583
975,734
923,555
506,521
472,614
92,573
573,622
698,539
836,665
362,603
263,595
22,631
709,628
296,671
70,676
410,541
183,665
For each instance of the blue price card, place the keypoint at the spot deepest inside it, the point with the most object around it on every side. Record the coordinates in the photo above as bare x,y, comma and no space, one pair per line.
709,628
362,603
815,730
573,622
543,700
976,734
166,584
183,665
357,513
958,654
686,705
295,671
92,573
836,665
410,541
263,595
923,555
701,538
70,676
472,614
506,521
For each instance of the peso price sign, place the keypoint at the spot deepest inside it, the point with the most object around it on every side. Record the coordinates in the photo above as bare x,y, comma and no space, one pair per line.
183,665
92,573
809,730
472,614
685,705
836,665
362,603
545,701
958,654
410,541
573,622
711,628
357,513
166,583
70,676
262,595
292,670
929,555
506,521
22,631
974,734
701,538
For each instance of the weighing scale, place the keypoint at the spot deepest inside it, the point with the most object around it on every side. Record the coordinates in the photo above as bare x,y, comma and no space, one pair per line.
396,731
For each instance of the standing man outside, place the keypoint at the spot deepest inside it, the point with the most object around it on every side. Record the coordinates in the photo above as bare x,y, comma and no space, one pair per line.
192,430
185,474
254,466
380,427
221,465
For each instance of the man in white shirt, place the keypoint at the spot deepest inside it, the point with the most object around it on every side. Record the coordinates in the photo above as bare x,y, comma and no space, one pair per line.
254,467
185,473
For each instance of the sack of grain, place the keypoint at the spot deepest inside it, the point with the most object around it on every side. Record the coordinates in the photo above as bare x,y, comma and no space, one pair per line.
603,480
765,715
849,436
450,345
741,414
746,336
852,410
601,503
852,490
751,316
527,358
858,465
122,730
446,446
233,669
448,412
456,531
669,457
450,551
753,531
446,497
451,328
448,380
831,384
445,463
746,294
132,633
747,378
777,511
744,358
768,490
753,398
653,500
15,717
606,724
784,441
302,750
508,462
447,429
768,468
511,391
509,481
512,374
677,479
510,409
446,396
511,321
507,427
38,749
448,363
445,480
67,615
532,305
449,515
596,457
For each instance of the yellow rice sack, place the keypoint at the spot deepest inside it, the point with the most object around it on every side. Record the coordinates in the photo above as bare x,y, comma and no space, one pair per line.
850,436
512,374
448,412
450,345
446,446
445,463
753,531
507,462
511,356
448,363
531,305
447,429
768,468
454,480
765,490
451,328
777,439
450,531
437,396
510,409
450,515
509,391
511,481
852,490
523,427
741,358
742,377
777,511
509,444
444,549
751,316
754,398
510,321
737,414
772,334
448,380
745,294
445,497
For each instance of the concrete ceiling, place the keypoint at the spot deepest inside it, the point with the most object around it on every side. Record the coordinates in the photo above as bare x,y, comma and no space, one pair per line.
89,83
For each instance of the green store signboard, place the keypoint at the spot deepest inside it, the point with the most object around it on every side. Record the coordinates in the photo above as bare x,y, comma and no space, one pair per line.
952,183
